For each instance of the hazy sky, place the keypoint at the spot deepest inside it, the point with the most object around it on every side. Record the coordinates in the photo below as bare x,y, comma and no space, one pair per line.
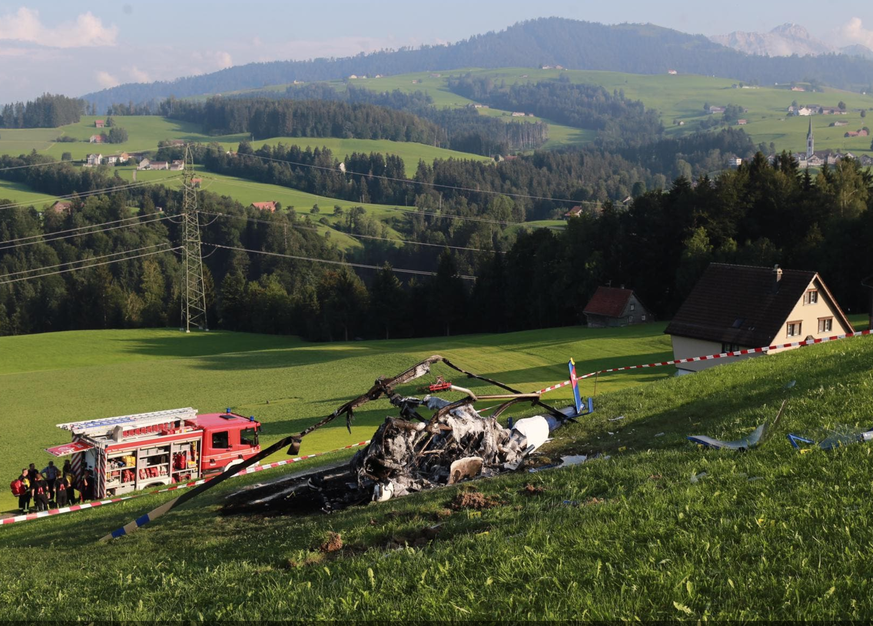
78,47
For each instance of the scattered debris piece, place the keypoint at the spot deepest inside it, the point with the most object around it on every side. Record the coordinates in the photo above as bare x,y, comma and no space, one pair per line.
840,436
615,419
695,478
655,477
659,435
574,459
757,437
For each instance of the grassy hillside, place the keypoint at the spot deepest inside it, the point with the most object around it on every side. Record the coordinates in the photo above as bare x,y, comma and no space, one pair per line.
16,193
679,97
659,530
163,369
144,133
410,152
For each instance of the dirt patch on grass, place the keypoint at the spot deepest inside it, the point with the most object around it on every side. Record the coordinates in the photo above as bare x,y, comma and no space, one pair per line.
334,543
472,500
532,490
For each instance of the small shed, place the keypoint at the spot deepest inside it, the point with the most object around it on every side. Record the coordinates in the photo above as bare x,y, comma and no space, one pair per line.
611,307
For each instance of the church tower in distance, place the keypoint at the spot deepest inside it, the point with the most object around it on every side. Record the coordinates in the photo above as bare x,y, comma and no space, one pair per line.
810,142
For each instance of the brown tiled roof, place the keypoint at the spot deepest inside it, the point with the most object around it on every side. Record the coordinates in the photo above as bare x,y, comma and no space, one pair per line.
265,206
608,301
738,304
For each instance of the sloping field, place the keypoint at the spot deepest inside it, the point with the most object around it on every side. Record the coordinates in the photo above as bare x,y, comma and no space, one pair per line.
17,193
676,97
659,530
163,369
145,131
410,152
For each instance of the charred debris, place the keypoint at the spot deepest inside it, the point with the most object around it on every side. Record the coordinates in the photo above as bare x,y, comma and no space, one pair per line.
426,443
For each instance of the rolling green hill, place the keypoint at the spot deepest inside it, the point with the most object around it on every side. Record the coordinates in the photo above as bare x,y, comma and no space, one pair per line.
656,529
676,97
145,131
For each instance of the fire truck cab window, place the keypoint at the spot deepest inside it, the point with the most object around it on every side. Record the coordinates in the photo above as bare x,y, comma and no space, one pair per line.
220,440
248,437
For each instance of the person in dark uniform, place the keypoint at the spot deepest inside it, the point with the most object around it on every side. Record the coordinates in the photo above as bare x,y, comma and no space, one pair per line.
40,495
61,494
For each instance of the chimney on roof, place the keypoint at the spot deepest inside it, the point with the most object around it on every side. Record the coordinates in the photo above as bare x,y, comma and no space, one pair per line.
777,276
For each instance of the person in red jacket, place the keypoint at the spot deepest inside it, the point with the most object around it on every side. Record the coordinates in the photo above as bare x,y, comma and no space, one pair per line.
21,488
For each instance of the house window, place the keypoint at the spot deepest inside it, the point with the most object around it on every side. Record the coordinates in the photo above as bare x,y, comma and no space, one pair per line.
811,297
630,319
825,324
794,329
633,307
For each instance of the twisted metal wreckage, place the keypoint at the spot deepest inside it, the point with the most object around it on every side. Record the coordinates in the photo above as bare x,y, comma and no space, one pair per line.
407,454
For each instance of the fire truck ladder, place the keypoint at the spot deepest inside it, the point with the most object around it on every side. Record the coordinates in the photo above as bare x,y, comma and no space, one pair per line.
138,420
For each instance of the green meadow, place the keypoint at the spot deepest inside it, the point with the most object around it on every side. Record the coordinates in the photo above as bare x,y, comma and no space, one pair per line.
145,131
410,152
676,97
17,193
161,369
653,529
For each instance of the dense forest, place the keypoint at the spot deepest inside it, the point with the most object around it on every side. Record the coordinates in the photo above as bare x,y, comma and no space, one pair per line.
47,111
463,129
265,118
619,122
632,48
758,214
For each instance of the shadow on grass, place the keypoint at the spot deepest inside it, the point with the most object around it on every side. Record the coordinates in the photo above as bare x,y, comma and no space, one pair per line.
733,400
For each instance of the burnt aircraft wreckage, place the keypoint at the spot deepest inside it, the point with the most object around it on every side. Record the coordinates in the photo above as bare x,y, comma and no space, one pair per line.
409,452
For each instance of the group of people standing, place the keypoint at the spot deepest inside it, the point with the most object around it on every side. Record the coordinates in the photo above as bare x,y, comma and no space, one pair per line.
51,487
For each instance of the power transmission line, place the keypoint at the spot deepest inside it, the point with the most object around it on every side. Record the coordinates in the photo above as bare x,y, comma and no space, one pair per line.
86,194
49,238
52,163
317,260
70,230
105,256
355,236
385,207
84,267
414,182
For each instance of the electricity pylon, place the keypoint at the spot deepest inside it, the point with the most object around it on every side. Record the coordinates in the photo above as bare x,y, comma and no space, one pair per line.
193,287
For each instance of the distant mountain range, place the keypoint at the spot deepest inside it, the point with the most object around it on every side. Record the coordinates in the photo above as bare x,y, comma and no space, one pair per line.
632,48
786,40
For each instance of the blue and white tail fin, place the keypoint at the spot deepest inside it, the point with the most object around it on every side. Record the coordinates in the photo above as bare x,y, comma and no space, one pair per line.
577,399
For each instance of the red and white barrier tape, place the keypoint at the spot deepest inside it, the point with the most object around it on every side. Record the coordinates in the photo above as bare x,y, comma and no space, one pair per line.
260,468
98,503
708,357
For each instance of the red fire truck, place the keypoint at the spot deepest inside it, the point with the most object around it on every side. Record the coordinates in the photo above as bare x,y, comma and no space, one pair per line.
132,452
